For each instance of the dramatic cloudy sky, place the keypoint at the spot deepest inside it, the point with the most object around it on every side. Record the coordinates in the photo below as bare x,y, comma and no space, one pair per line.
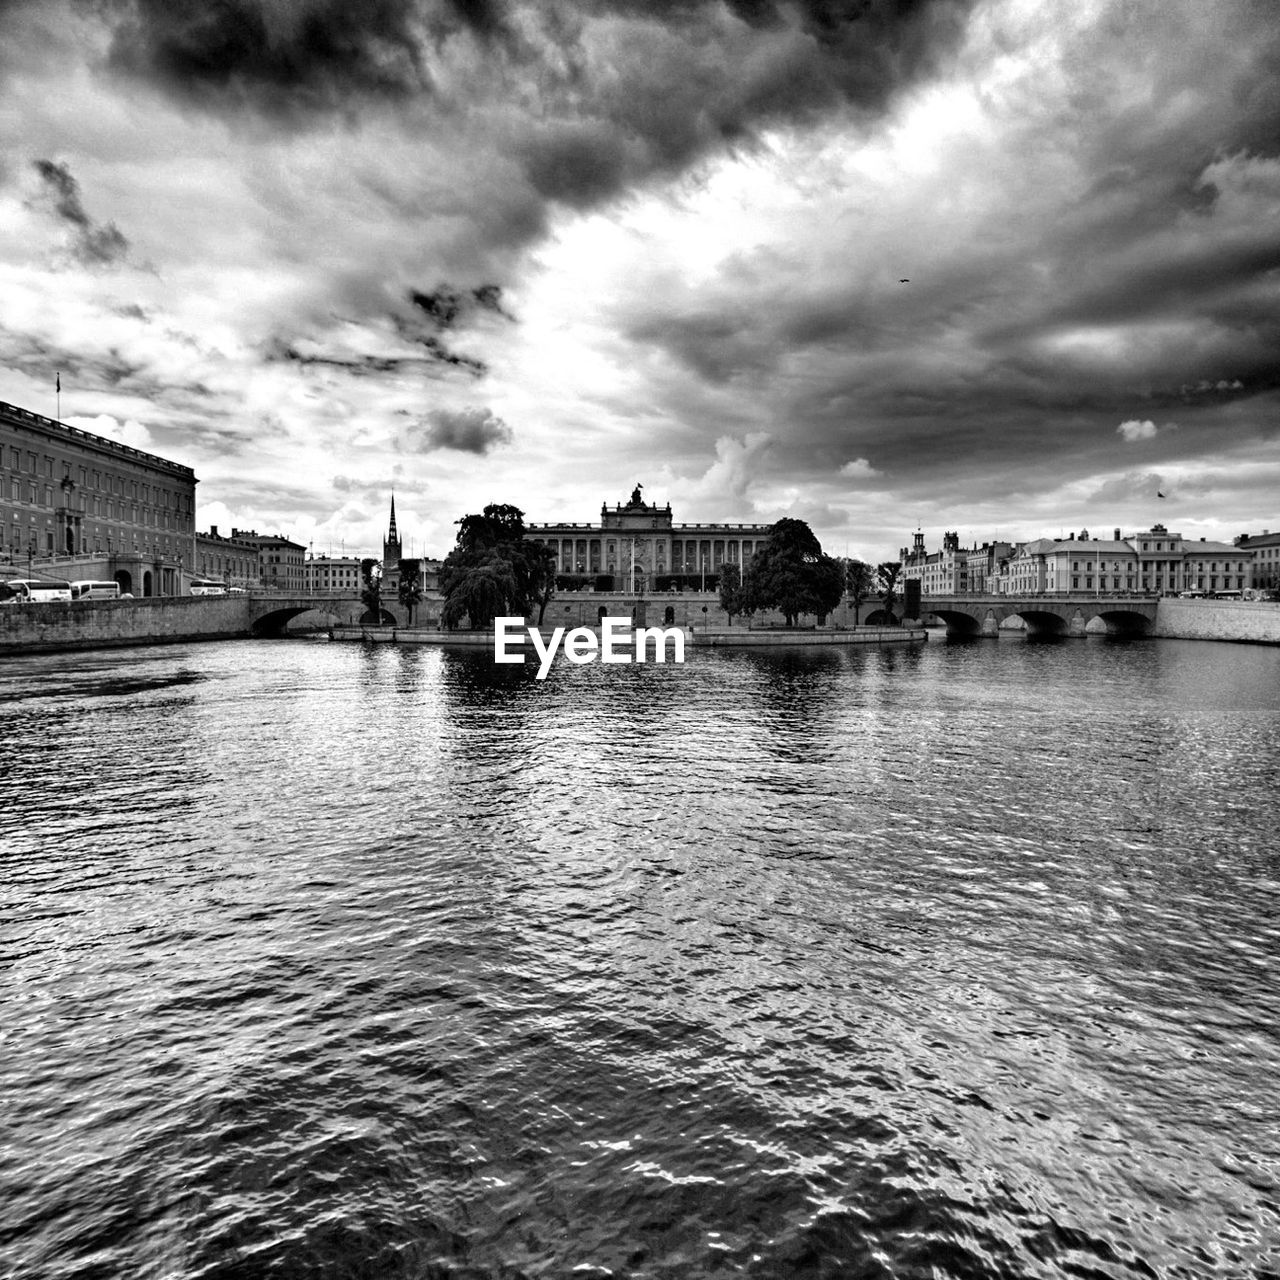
1005,267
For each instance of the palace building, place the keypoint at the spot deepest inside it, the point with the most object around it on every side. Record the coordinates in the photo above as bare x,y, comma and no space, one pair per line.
73,504
637,547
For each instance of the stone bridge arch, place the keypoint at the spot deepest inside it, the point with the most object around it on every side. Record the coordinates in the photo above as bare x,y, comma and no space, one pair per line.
1043,617
1124,622
271,616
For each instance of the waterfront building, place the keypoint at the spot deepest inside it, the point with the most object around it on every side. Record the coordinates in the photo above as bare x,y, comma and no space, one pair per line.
1265,550
332,573
1153,561
637,546
280,563
78,505
954,570
232,558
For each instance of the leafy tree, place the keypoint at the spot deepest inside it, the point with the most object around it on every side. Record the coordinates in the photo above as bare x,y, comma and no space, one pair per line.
859,583
410,591
791,573
887,574
495,570
478,592
371,594
542,576
734,598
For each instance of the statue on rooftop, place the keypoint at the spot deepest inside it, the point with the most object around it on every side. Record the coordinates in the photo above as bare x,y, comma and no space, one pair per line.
636,499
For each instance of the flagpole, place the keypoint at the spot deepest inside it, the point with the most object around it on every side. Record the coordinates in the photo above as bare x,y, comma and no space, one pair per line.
57,384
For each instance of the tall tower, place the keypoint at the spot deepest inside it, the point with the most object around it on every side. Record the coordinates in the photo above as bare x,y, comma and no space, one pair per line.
391,553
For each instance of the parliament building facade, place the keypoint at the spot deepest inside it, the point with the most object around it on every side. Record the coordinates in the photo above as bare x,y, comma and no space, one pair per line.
637,547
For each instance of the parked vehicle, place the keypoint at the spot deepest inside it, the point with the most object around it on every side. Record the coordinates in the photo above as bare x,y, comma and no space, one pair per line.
37,590
87,589
208,587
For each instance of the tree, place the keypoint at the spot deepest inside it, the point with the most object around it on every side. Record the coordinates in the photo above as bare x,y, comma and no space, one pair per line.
887,573
542,576
371,595
479,592
733,596
493,569
859,583
791,573
410,592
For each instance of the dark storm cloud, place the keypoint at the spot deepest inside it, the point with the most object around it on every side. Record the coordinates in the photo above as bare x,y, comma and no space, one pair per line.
471,430
94,244
618,90
281,58
445,305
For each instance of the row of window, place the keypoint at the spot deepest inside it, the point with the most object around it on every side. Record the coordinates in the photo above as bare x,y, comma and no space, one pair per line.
99,481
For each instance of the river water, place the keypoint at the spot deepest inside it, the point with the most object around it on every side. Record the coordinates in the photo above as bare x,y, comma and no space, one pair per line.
950,961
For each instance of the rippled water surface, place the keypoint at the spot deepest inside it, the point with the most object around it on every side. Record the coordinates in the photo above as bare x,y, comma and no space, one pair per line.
953,961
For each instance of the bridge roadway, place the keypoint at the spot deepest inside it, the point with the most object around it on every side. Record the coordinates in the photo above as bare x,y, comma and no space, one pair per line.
1065,614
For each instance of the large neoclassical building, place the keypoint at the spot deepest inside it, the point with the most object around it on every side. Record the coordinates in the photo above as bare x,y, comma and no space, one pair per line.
638,545
73,503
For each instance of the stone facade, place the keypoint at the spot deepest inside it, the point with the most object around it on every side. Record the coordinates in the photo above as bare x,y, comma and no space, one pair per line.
77,505
1265,549
333,573
636,546
232,558
1154,561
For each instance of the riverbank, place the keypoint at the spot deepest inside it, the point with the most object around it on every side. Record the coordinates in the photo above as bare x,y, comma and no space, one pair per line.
105,624
112,624
696,637
1241,621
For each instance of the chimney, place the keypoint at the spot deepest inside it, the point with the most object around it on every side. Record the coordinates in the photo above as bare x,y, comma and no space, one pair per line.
1117,535
213,531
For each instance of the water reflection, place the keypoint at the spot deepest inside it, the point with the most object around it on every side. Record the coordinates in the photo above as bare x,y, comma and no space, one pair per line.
954,960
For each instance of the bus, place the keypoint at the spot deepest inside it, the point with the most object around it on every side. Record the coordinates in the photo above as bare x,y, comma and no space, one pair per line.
35,590
89,589
208,587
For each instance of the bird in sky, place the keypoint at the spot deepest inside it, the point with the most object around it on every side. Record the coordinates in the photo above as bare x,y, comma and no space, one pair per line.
904,281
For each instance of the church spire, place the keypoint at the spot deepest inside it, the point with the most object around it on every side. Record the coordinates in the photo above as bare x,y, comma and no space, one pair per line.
391,549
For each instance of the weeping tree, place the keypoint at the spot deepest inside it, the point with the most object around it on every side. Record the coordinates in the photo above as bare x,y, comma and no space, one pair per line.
478,592
494,570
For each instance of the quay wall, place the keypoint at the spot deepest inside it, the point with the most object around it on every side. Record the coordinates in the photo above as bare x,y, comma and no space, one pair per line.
1252,621
773,637
105,624
705,637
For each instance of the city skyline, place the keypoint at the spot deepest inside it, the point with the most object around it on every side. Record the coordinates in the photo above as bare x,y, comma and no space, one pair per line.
993,267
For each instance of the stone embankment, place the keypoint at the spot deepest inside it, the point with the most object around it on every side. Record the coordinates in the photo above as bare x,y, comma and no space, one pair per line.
1247,621
106,624
782,637
698,636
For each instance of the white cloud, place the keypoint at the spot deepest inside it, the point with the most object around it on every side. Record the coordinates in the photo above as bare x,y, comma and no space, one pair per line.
1135,430
130,432
859,469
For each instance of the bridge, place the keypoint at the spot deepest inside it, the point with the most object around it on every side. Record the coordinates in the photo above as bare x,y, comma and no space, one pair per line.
1067,614
268,613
